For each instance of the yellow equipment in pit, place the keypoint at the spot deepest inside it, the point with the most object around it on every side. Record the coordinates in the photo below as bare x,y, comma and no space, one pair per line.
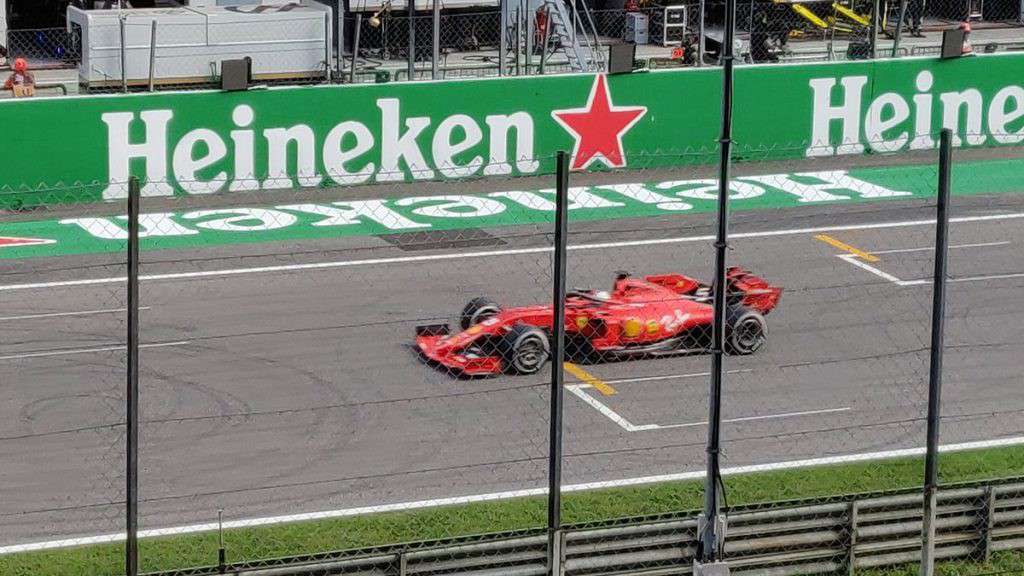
809,16
849,13
832,21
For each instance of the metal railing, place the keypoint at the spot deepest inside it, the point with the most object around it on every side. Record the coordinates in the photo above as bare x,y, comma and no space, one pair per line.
845,533
468,42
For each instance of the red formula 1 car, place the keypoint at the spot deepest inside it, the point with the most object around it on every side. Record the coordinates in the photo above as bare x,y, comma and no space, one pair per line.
663,314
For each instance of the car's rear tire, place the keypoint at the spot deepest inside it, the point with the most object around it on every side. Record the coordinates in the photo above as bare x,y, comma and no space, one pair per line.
524,349
746,331
477,310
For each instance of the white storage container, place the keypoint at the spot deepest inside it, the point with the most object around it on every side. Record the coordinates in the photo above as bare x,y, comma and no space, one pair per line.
284,41
636,27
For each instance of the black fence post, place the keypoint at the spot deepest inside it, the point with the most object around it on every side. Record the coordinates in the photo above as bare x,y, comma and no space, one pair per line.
435,55
412,39
122,23
557,368
931,462
712,527
876,21
355,47
503,38
131,549
898,34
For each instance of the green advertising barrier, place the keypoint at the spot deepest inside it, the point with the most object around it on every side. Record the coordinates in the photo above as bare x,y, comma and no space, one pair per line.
84,149
332,219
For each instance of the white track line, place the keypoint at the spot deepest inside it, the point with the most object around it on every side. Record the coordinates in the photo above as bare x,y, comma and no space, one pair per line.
670,377
88,350
625,424
930,248
853,259
765,417
457,500
979,278
605,411
64,314
493,253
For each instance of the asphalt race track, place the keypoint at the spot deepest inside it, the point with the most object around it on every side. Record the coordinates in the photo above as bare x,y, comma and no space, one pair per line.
295,389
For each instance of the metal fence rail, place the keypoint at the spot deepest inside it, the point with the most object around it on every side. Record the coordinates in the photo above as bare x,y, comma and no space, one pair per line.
467,43
865,531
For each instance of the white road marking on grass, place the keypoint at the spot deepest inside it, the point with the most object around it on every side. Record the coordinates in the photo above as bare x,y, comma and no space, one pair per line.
72,351
63,314
456,500
493,253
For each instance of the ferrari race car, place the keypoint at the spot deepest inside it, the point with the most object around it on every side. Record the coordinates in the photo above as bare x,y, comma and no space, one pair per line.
658,315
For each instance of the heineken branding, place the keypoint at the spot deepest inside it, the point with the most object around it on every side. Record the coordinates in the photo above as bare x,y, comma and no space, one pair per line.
210,142
891,121
350,152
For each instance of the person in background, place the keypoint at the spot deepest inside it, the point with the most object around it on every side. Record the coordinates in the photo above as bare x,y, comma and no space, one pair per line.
20,77
915,10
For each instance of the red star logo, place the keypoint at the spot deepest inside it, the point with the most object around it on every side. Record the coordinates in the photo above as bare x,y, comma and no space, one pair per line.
10,241
598,128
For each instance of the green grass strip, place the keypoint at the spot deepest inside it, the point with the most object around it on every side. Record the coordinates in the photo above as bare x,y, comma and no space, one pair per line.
578,507
1002,564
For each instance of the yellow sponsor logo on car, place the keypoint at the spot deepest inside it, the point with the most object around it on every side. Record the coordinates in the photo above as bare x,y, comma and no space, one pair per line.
631,328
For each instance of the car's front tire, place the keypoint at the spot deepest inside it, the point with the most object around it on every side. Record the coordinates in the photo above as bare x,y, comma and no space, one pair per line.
477,310
524,349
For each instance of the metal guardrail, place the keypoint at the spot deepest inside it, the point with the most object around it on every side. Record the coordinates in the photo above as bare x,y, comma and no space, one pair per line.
844,534
42,89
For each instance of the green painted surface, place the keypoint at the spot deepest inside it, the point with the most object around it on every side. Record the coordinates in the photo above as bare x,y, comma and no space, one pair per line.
204,141
293,222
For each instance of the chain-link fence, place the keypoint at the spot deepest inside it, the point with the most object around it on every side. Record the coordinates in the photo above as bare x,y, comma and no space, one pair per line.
63,370
45,47
327,367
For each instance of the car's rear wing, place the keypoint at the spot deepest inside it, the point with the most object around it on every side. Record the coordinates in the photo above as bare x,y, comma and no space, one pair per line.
744,287
755,292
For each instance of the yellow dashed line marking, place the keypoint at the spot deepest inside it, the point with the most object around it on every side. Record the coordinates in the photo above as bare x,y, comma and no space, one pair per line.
588,378
866,256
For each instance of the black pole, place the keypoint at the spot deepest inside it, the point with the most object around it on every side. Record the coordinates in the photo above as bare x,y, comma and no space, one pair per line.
412,39
711,538
131,549
876,21
557,367
222,554
899,29
503,39
931,461
435,55
355,47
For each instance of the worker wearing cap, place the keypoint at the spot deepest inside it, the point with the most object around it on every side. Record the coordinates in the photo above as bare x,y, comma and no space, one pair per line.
20,77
